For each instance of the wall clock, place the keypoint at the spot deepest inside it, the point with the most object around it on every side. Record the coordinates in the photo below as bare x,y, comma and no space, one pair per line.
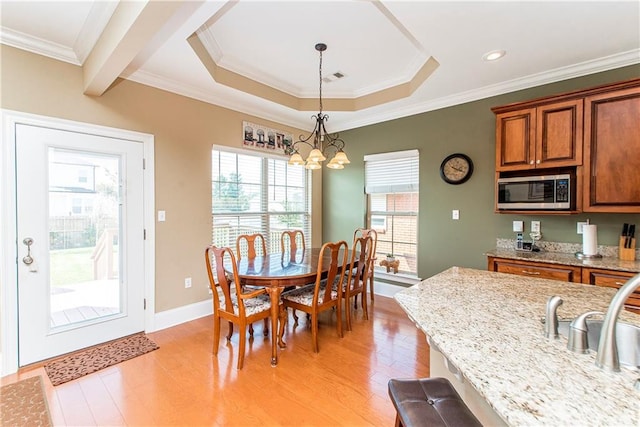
456,168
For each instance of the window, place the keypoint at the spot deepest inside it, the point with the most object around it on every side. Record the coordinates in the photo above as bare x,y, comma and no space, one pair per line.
391,184
258,194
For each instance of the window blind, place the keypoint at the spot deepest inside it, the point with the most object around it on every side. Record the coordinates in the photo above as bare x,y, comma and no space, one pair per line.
255,193
394,172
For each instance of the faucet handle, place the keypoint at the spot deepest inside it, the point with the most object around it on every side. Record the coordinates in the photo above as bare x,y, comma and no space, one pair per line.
551,317
578,340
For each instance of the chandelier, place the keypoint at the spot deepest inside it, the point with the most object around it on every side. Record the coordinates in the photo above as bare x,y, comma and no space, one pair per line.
322,143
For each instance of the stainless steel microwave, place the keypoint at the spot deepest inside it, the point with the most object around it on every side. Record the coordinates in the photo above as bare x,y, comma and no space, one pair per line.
544,192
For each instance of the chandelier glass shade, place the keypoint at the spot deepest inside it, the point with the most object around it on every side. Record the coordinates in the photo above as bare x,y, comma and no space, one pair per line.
323,144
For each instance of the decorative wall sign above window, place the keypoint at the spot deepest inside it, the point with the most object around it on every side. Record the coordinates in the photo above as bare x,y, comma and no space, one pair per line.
264,138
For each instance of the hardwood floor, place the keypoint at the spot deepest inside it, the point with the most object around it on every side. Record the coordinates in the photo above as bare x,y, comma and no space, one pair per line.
183,384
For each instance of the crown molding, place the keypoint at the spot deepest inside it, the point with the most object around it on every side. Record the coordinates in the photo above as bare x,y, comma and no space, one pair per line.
38,46
564,73
258,109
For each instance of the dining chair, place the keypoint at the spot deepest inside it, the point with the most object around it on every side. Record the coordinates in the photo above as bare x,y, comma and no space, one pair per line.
358,276
365,232
230,301
291,241
246,245
318,297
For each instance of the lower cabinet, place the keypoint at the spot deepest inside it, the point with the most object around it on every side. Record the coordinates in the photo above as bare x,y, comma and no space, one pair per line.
612,279
567,273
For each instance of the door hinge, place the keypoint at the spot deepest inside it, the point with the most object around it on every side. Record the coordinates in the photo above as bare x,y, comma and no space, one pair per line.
145,303
144,234
144,163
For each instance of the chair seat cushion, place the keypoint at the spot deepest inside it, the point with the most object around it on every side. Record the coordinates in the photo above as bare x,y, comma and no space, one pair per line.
251,306
304,295
345,282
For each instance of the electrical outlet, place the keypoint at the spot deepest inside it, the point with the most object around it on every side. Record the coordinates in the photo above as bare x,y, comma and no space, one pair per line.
187,282
455,214
518,226
579,227
535,226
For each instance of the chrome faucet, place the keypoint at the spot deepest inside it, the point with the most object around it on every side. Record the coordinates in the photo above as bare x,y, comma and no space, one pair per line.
607,357
578,341
551,317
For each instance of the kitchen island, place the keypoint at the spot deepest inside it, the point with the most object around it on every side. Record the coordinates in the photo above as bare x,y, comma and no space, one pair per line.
488,327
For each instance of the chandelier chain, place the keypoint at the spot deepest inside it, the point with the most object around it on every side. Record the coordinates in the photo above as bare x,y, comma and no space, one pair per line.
320,69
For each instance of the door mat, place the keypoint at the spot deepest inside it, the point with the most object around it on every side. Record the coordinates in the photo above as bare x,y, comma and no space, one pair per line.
99,357
23,404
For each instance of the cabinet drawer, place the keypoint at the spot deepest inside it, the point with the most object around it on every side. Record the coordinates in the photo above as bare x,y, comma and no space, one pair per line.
612,279
542,270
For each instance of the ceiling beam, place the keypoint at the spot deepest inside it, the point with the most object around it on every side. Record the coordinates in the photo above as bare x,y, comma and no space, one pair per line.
132,26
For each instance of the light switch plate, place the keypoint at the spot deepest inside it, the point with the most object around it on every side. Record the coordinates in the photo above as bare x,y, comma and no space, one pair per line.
161,216
518,226
455,214
535,226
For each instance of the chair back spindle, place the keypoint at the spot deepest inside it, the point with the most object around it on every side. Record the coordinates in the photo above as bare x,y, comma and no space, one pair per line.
291,241
251,244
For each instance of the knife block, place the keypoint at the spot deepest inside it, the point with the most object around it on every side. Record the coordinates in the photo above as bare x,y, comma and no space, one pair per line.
627,254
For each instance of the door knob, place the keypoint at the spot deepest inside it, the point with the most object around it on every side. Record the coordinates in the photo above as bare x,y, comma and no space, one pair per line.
28,260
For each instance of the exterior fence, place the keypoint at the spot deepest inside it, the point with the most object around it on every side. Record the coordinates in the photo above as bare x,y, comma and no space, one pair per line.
226,236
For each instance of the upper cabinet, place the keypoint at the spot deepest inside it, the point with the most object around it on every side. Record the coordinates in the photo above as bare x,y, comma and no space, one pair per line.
542,137
593,134
612,152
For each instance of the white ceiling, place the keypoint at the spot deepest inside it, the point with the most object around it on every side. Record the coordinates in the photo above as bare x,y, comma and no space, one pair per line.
377,45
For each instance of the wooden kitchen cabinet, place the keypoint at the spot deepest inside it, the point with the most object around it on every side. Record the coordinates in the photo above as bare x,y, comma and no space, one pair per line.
612,152
612,279
546,136
593,133
541,270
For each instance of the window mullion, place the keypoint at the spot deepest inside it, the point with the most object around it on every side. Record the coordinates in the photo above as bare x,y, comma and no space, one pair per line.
264,202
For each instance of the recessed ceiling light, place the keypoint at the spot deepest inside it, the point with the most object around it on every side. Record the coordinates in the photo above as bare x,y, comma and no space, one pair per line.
494,55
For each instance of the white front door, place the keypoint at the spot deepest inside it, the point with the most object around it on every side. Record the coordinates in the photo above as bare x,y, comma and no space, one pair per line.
80,243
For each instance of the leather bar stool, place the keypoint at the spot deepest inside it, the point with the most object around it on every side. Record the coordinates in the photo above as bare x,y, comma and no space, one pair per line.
429,402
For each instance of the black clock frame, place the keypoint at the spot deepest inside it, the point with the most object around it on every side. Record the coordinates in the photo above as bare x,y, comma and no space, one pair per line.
453,156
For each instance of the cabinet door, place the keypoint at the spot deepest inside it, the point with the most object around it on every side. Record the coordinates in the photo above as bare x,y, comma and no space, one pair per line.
541,270
515,140
612,152
612,279
559,134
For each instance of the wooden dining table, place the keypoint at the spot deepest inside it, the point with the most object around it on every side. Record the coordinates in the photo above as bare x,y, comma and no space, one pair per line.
276,272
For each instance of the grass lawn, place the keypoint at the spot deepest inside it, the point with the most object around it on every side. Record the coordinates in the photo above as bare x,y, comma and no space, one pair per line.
70,266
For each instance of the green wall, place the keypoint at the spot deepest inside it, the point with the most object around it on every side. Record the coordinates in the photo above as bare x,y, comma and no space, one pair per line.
468,128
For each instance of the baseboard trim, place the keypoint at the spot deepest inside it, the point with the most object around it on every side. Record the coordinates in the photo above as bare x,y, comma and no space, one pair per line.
186,313
386,289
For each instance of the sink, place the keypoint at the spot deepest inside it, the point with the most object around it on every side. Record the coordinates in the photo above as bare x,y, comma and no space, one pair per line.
627,337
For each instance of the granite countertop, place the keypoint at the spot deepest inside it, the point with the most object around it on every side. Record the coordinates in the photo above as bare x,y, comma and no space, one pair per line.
488,325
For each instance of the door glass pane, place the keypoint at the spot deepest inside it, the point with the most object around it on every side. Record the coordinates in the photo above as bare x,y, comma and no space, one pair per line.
84,236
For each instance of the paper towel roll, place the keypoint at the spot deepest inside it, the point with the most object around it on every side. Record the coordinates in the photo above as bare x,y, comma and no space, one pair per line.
590,239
